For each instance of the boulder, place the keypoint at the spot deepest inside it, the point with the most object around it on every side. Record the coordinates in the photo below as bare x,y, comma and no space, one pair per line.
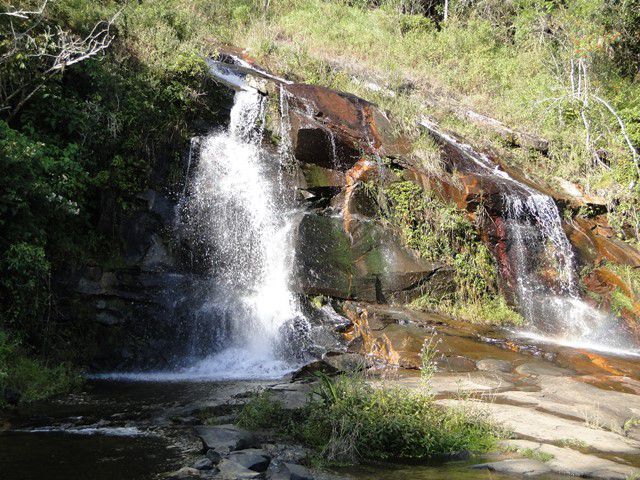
214,456
291,396
251,458
224,438
332,364
330,128
369,263
230,470
203,464
346,362
292,471
311,369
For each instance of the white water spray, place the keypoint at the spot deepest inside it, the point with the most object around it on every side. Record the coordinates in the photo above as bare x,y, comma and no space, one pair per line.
236,212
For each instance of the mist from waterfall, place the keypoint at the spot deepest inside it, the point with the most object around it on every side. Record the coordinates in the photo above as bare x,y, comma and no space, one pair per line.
546,287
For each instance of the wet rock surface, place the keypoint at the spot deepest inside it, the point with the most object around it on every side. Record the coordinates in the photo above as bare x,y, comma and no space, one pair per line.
566,461
494,365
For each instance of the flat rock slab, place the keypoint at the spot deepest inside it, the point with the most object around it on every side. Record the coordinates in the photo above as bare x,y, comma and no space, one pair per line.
517,466
494,365
251,458
545,428
459,382
568,396
455,363
567,461
230,470
543,368
224,438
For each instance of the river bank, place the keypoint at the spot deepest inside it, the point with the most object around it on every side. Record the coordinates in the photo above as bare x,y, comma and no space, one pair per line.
566,412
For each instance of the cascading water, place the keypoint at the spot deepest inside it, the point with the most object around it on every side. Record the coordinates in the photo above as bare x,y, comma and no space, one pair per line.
240,216
547,291
236,213
542,264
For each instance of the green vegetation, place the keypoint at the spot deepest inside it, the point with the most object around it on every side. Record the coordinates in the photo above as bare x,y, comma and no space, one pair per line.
25,379
440,232
630,275
564,70
79,138
428,353
261,411
536,455
346,419
620,302
573,443
532,454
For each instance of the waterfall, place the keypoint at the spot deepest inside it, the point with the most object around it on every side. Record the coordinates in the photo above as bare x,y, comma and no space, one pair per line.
237,209
239,218
542,263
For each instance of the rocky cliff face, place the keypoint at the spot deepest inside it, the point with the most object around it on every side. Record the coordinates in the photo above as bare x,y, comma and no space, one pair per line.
135,309
341,146
343,143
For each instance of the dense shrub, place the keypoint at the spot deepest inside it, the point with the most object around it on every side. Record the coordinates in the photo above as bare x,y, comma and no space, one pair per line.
347,419
25,379
78,144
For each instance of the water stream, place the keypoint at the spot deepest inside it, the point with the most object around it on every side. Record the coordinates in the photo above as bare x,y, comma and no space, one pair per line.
542,263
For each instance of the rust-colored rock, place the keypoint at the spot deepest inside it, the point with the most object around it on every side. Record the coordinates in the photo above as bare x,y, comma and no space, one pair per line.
332,129
594,242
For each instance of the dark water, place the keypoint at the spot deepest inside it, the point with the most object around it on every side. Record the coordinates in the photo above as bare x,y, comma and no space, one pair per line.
63,456
133,431
111,430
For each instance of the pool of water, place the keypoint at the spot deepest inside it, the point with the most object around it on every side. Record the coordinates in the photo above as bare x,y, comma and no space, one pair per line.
70,456
112,430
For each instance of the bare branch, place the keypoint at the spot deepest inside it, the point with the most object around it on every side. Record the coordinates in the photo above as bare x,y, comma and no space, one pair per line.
25,14
72,51
623,130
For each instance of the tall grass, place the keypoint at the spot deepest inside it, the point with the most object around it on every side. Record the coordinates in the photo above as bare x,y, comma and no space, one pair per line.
508,60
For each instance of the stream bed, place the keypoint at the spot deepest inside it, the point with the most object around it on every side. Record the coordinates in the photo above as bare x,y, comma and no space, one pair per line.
141,430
